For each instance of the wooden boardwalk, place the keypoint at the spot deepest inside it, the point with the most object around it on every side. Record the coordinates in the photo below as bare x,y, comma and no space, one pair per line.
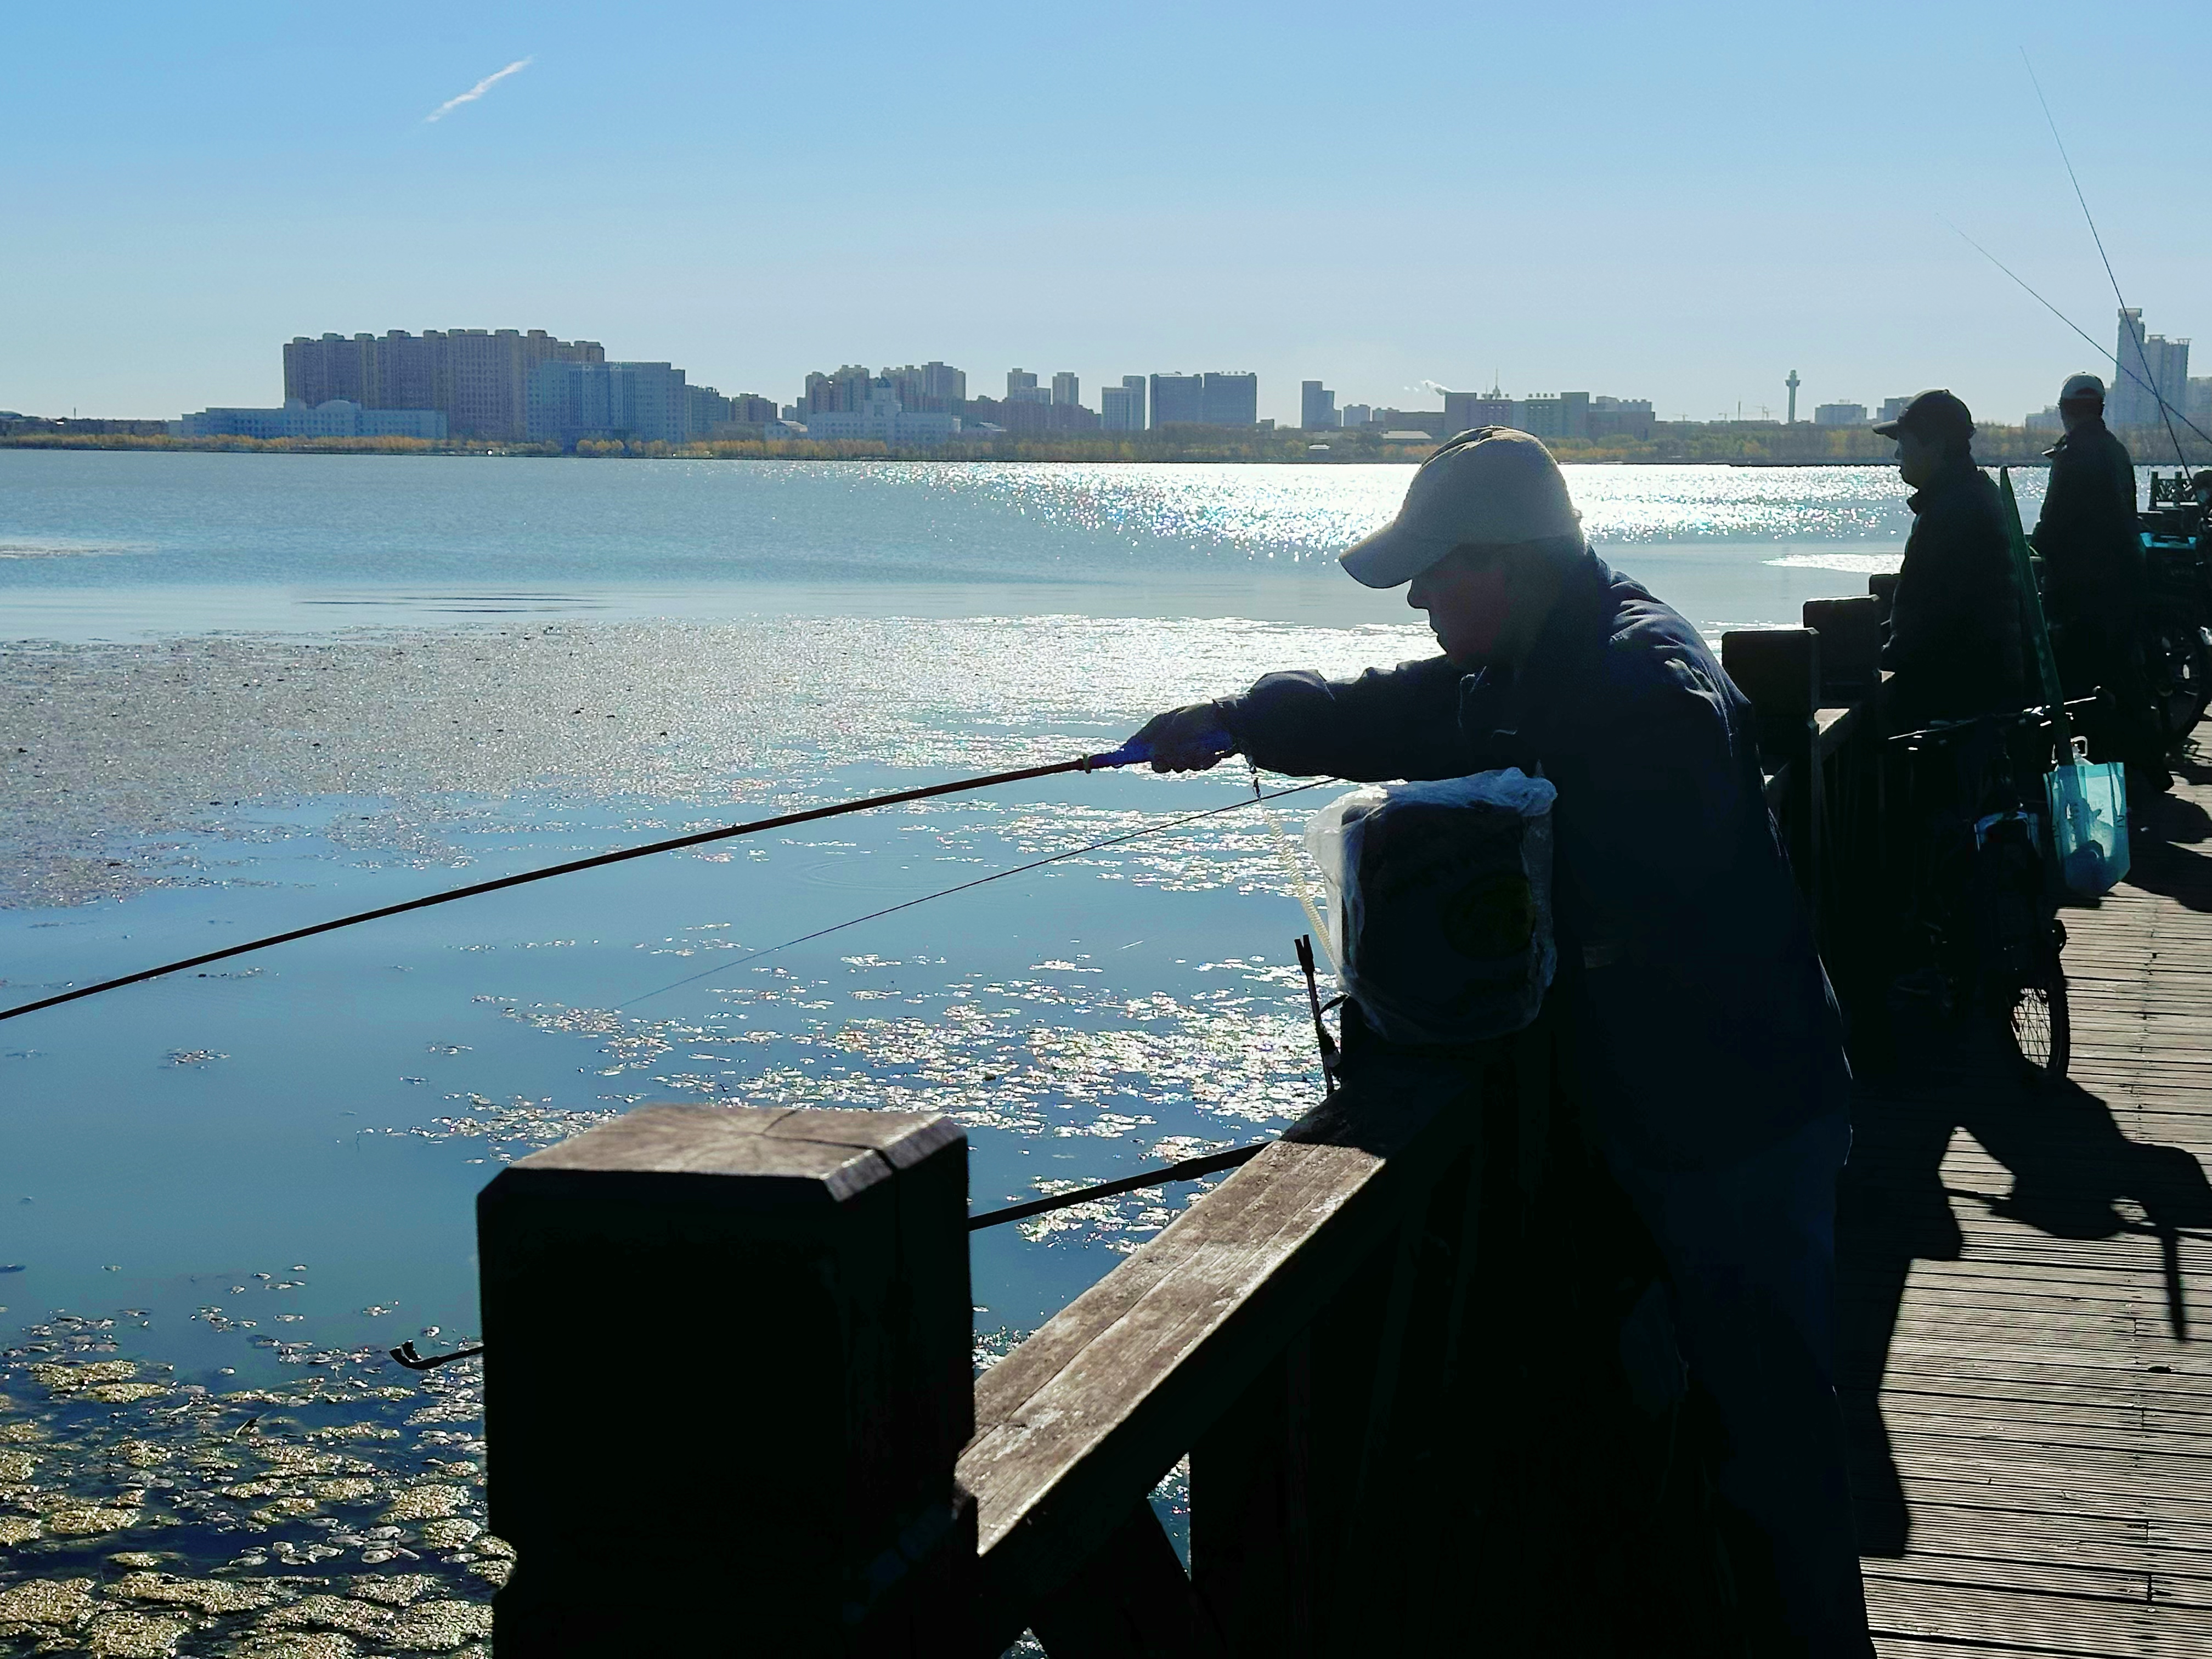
2026,1306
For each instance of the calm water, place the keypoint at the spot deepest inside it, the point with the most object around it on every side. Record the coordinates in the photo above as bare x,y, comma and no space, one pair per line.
239,693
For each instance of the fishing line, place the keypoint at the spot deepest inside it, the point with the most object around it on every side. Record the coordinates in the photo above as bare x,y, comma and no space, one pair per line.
2076,327
1300,889
965,886
1128,754
2088,219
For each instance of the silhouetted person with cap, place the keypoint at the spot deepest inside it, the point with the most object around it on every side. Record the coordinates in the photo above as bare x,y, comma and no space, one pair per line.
1954,623
2093,581
1709,1048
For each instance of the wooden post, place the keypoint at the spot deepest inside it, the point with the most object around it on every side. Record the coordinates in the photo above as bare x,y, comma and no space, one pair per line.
1779,669
727,1372
1851,647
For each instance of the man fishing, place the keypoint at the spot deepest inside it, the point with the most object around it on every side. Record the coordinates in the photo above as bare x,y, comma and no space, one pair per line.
1712,1048
1955,642
2093,580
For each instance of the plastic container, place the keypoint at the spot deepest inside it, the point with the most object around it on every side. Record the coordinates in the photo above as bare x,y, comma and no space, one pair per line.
2089,825
1440,904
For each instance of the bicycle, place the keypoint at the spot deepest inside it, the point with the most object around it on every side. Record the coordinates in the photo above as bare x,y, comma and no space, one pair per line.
1985,886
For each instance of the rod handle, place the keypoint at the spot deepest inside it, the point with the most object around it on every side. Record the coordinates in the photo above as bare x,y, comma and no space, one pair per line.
1136,753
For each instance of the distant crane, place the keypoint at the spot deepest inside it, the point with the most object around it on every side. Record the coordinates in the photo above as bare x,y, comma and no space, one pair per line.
1793,383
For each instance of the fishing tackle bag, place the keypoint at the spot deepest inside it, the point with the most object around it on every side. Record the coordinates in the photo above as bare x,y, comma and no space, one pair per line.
1440,902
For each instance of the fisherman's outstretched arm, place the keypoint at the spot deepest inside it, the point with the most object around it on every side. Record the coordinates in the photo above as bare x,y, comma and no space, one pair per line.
1399,722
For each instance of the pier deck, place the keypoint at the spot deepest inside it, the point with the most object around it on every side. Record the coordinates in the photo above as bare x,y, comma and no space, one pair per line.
2026,1308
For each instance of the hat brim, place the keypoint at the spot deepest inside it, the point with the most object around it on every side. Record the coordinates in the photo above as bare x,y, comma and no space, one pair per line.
1392,556
1889,428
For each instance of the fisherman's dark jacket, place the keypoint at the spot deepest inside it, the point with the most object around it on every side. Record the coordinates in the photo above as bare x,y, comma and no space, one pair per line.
1955,625
1703,1022
2088,535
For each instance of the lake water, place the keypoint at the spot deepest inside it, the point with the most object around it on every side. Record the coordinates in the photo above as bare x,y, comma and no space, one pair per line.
239,693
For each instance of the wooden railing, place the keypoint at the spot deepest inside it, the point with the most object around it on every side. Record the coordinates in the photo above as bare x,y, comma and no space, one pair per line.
798,1459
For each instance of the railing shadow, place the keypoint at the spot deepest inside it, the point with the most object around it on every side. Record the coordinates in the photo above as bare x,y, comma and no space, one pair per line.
2072,1170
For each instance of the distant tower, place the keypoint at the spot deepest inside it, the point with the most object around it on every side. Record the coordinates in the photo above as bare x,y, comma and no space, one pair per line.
1793,383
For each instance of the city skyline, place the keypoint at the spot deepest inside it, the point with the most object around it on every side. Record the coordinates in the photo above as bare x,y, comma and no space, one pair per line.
1688,201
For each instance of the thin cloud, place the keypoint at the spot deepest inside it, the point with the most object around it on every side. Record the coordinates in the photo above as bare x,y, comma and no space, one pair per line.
479,90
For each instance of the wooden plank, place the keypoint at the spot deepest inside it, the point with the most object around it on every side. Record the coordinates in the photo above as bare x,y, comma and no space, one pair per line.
1087,1414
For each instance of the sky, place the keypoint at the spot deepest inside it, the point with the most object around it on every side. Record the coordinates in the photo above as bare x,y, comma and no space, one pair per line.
1682,203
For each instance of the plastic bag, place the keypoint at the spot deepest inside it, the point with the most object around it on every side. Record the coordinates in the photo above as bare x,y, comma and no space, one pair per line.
1441,902
2089,825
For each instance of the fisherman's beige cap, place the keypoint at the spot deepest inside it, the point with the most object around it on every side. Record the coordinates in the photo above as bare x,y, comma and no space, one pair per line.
2082,386
1491,485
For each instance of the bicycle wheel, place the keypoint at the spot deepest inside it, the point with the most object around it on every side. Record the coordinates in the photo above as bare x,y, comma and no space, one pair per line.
2038,1021
2178,667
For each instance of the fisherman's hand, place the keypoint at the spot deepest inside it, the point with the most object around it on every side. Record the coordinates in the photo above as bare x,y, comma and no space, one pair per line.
1193,739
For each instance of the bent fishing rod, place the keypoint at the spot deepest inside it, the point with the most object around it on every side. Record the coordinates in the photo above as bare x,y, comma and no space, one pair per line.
1131,753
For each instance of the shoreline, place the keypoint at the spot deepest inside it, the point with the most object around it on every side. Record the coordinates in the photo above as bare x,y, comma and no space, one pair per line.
2003,448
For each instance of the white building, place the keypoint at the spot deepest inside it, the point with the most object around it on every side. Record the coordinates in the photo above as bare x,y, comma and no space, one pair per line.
1067,389
1840,415
882,419
339,418
1355,414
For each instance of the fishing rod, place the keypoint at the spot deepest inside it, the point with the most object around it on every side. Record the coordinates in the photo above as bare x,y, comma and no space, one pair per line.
2134,334
1131,753
2100,350
979,881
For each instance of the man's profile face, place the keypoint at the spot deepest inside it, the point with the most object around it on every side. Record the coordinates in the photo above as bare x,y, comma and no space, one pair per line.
1919,459
1466,595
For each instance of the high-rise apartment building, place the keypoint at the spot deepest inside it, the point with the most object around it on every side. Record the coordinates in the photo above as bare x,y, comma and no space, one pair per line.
1316,406
1230,400
644,402
1067,389
842,392
933,388
1178,399
1121,408
2150,367
479,378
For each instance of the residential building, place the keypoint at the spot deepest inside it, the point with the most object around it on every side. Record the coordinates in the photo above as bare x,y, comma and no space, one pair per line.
2196,404
2048,421
1553,415
644,403
933,388
1022,388
1178,399
882,419
705,409
1465,411
1030,418
1316,407
1894,407
750,409
2150,367
1067,389
1229,399
1357,415
1121,408
1839,415
842,392
479,379
335,417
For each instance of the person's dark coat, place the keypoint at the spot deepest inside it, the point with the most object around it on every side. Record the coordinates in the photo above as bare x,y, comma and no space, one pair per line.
1703,1021
2087,533
1954,623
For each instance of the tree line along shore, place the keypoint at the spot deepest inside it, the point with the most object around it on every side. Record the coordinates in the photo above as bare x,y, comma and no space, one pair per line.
1741,444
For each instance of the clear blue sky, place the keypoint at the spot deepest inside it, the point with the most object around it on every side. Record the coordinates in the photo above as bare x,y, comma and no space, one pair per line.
1676,201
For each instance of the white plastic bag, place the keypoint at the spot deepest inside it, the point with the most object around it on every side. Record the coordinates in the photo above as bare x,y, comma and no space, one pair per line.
1440,897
